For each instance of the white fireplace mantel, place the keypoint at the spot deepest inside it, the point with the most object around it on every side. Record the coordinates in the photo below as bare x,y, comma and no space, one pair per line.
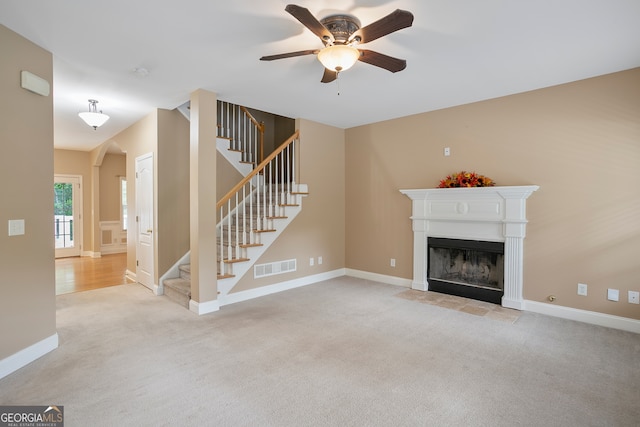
483,213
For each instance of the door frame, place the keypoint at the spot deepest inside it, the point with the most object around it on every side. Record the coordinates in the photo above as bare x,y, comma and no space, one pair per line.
150,230
77,215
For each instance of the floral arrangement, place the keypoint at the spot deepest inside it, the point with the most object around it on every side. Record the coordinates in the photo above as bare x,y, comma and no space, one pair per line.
466,179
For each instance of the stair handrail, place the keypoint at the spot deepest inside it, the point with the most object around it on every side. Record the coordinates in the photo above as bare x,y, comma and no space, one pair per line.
244,132
260,127
253,205
257,170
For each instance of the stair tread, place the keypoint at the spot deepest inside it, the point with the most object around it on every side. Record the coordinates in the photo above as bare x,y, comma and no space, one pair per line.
179,285
233,260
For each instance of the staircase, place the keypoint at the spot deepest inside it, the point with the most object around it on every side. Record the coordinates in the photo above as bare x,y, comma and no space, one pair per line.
253,213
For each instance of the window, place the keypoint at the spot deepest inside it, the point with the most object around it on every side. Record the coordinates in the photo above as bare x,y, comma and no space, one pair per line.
123,202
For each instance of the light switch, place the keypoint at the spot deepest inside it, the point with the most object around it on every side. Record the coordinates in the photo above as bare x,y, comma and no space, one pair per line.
16,227
613,294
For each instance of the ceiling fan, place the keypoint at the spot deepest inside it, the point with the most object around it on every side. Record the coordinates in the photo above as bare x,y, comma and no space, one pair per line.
341,34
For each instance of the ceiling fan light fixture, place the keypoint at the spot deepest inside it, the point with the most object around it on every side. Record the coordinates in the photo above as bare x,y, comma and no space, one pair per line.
92,117
338,57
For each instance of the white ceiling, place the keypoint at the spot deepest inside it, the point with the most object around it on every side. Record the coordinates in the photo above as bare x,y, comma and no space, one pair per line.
457,52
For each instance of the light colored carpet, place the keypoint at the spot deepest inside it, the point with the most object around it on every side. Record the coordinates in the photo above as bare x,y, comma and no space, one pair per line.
345,352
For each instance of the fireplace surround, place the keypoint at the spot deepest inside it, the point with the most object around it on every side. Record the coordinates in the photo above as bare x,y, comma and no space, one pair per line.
485,214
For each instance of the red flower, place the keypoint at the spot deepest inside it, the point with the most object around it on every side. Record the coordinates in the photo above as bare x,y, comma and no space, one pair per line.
466,179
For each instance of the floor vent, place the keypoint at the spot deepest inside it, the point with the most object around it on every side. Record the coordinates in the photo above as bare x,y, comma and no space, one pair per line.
273,268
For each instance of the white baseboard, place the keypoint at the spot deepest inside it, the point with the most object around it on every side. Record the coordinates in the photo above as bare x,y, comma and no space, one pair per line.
592,317
131,275
206,307
24,357
91,254
390,280
279,287
108,250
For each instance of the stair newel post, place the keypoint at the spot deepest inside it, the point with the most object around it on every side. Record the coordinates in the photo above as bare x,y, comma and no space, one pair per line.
221,244
245,141
229,231
237,229
226,115
251,236
287,157
276,188
244,215
259,200
293,165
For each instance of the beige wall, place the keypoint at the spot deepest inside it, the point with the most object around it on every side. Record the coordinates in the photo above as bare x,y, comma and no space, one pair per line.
71,162
27,277
319,229
580,142
173,188
138,139
112,168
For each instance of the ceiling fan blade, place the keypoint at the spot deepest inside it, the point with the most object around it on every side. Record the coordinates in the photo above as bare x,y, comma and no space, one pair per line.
383,61
329,76
305,17
289,55
393,22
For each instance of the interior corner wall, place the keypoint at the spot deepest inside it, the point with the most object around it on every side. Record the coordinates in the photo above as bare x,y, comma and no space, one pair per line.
319,228
27,270
173,188
580,142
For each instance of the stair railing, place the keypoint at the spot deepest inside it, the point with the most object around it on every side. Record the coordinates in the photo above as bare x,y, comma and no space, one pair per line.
245,133
251,206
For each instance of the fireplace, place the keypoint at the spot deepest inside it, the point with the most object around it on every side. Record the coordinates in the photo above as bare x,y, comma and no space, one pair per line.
467,268
489,222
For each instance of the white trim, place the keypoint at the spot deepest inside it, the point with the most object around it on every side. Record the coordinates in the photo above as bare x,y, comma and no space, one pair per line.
390,280
130,275
92,254
279,287
206,307
494,214
592,317
25,356
78,210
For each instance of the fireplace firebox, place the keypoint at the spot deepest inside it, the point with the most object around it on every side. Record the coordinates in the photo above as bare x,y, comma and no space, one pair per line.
466,268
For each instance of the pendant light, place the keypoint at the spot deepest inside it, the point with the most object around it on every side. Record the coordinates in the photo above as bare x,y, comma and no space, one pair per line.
92,117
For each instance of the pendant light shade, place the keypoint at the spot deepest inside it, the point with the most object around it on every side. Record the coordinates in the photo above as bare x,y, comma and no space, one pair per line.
92,117
338,57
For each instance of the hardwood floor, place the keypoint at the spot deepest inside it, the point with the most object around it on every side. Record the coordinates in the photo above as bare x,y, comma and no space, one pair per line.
76,274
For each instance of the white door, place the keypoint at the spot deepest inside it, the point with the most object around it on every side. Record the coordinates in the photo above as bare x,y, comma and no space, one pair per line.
67,215
144,220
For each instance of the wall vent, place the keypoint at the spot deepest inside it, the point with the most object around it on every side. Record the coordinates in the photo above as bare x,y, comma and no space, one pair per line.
273,268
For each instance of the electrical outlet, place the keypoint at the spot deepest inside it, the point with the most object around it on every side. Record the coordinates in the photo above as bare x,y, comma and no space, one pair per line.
634,297
582,289
393,262
613,294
